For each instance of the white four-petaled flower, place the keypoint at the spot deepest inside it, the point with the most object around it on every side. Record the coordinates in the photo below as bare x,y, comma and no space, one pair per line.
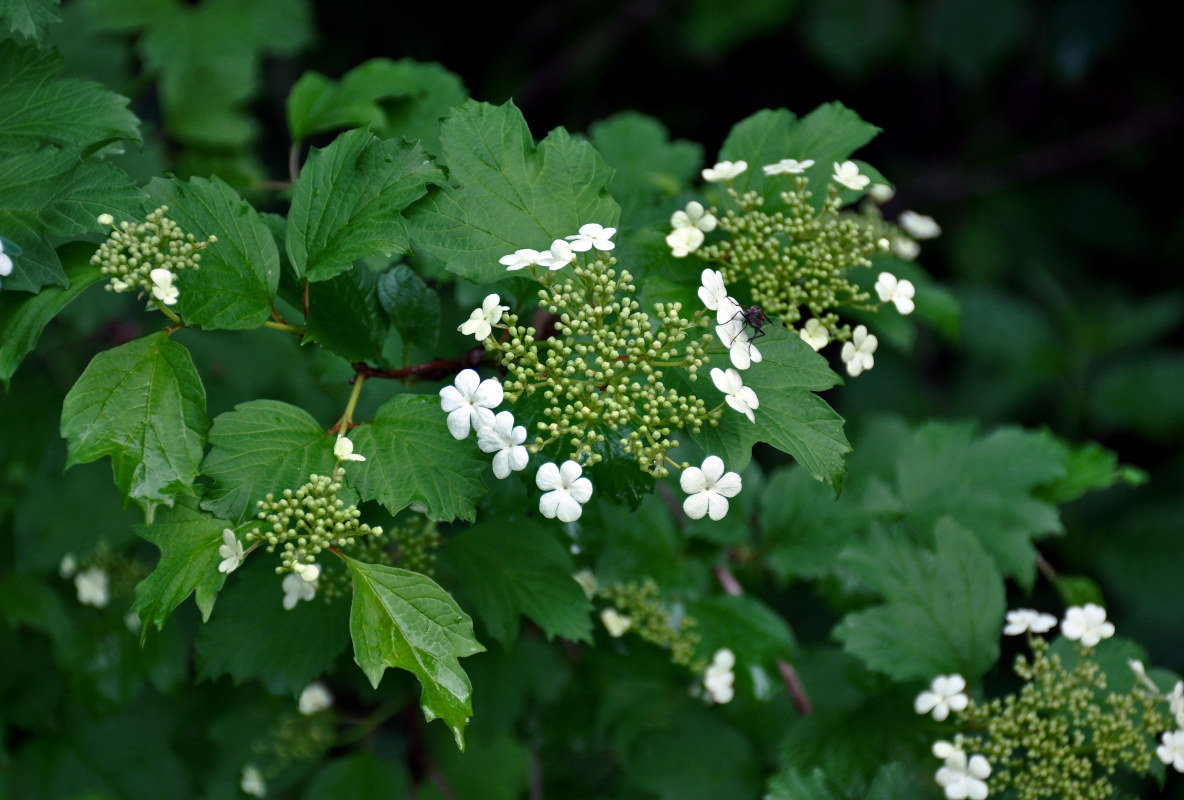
788,166
694,216
162,286
1087,624
944,695
252,782
905,248
91,586
315,698
505,441
684,241
5,262
733,335
857,353
297,589
1022,620
470,402
881,193
715,296
709,488
615,622
718,680
964,779
815,334
736,394
559,256
343,449
899,293
592,235
520,259
1175,700
848,174
1171,750
724,171
230,551
480,323
919,226
565,492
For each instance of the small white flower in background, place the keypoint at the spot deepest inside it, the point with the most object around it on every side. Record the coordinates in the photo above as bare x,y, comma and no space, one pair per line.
1023,620
162,286
684,241
709,488
505,440
919,226
520,259
615,623
106,219
297,589
343,449
964,779
480,323
944,695
470,401
857,353
587,581
1171,751
315,698
1175,700
815,334
252,782
943,749
788,166
881,193
905,248
559,256
565,492
1141,674
68,566
307,572
738,396
592,235
5,263
899,293
132,621
230,551
847,174
724,171
91,586
719,678
694,216
715,296
739,343
1087,624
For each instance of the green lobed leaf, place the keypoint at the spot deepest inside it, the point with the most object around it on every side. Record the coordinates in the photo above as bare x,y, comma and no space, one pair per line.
361,776
520,569
944,608
405,620
413,307
650,169
188,541
347,203
752,630
240,272
803,526
143,404
699,757
506,194
792,783
345,316
411,456
262,446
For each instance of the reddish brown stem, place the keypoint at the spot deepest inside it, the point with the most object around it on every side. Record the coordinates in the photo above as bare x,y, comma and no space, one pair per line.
793,685
435,370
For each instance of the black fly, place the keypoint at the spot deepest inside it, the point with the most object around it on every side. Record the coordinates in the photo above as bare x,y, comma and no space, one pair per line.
753,318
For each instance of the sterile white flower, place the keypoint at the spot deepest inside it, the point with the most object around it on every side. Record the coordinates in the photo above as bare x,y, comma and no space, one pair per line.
718,680
68,566
715,297
470,402
343,448
919,226
738,340
162,286
91,586
1171,751
106,219
709,488
943,749
5,262
252,782
505,440
1175,700
944,695
847,174
738,396
815,334
788,166
905,248
615,623
592,235
230,551
297,589
963,779
1087,624
520,259
559,256
881,193
684,241
1022,620
480,323
899,293
316,697
694,216
587,581
857,353
565,492
724,171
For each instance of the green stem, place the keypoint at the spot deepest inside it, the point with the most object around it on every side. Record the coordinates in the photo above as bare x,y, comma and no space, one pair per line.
347,418
168,312
280,326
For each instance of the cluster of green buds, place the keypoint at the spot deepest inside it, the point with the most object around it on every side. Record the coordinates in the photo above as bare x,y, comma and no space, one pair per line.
638,607
147,256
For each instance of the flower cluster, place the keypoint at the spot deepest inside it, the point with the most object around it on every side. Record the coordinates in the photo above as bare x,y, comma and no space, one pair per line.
638,608
719,678
147,256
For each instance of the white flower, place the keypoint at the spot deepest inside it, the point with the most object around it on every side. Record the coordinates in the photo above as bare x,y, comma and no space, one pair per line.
1141,674
506,441
587,581
480,323
724,171
719,677
741,350
684,241
1087,625
815,334
788,166
307,572
905,248
962,779
881,193
520,259
132,621
106,219
857,353
694,216
343,449
230,551
715,296
470,401
559,256
565,491
616,624
737,395
162,286
5,262
1023,620
68,566
944,695
297,589
252,782
91,586
315,697
1171,752
943,749
592,235
899,293
1176,702
919,226
709,488
847,174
